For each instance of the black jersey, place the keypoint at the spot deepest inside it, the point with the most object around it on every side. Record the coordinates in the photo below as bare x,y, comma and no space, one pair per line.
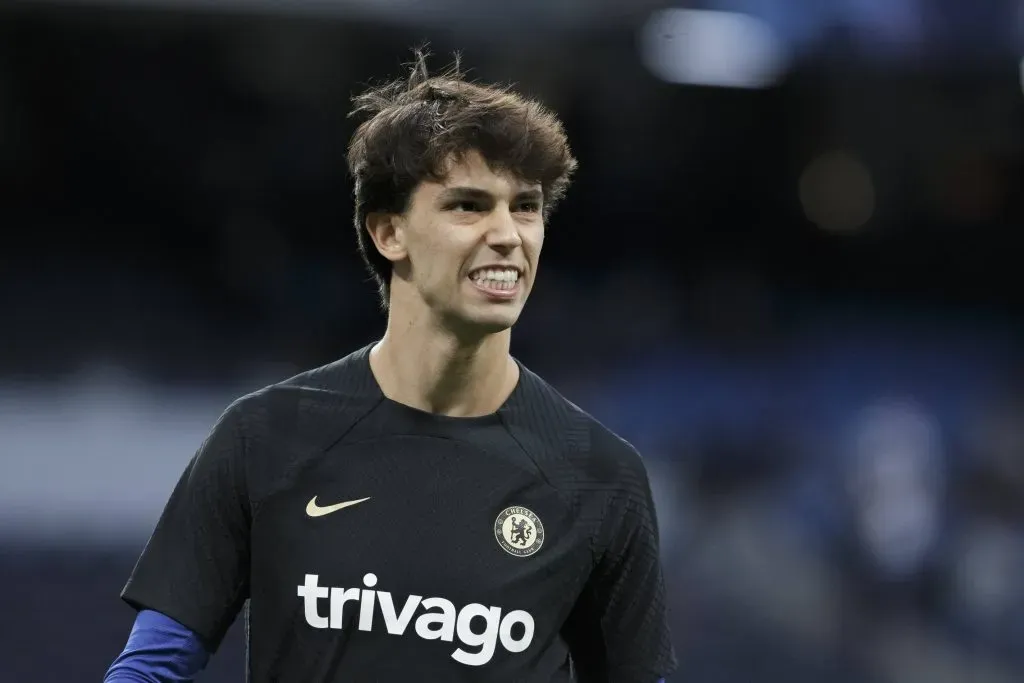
370,541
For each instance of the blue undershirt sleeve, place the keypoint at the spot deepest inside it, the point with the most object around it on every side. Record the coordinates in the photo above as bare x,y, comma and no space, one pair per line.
159,650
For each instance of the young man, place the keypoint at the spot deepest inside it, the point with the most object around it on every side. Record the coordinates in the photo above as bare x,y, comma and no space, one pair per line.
425,508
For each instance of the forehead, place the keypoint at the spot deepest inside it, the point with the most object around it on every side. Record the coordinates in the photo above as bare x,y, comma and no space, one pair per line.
472,170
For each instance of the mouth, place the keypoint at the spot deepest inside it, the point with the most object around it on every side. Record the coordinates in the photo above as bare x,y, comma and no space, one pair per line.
496,282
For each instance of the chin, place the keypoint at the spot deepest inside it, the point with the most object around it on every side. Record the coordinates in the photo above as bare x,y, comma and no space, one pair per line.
494,326
494,323
486,322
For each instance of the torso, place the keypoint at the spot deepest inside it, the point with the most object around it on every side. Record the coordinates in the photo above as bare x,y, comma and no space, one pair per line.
463,562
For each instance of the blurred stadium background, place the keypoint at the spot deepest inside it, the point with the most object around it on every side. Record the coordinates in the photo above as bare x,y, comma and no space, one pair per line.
786,272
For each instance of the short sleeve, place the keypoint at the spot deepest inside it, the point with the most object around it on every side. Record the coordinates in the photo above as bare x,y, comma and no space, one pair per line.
618,631
195,567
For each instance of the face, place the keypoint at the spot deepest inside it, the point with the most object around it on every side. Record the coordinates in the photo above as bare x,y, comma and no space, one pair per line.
468,247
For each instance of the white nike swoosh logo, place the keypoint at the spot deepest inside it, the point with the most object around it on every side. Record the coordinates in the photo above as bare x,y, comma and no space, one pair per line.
314,510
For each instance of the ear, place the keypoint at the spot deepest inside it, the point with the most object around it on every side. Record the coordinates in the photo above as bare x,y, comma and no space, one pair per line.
388,235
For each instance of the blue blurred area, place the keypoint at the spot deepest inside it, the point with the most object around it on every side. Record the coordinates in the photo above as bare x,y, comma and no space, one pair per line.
799,300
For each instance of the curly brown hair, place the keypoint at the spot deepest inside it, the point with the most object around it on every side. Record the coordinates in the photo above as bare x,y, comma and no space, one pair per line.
420,124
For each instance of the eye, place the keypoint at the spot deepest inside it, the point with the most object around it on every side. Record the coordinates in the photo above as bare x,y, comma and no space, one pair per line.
528,207
465,205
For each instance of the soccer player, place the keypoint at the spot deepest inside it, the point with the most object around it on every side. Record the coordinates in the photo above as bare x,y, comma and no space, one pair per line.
426,508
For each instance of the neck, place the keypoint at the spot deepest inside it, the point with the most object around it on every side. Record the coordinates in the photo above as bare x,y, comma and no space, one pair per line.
424,366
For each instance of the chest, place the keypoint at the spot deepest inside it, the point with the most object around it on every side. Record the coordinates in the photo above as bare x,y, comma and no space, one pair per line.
423,516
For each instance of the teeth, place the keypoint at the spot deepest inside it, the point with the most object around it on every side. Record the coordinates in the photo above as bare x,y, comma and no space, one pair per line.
496,278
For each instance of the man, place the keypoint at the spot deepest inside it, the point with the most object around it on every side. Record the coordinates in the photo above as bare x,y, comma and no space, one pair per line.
426,508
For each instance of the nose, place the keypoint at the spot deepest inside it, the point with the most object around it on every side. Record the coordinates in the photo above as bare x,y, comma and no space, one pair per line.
503,231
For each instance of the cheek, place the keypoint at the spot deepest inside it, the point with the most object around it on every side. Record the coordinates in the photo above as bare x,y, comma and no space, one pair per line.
532,245
443,256
427,250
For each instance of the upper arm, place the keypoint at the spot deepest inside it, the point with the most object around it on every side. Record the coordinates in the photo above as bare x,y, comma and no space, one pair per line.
618,632
195,566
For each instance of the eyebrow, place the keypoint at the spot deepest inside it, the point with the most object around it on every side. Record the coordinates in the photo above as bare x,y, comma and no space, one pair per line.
459,192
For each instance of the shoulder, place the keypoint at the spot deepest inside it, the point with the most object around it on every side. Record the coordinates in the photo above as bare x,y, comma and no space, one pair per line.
311,405
611,462
597,456
279,430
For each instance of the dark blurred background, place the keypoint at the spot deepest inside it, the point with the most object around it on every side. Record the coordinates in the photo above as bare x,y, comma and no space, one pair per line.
786,273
